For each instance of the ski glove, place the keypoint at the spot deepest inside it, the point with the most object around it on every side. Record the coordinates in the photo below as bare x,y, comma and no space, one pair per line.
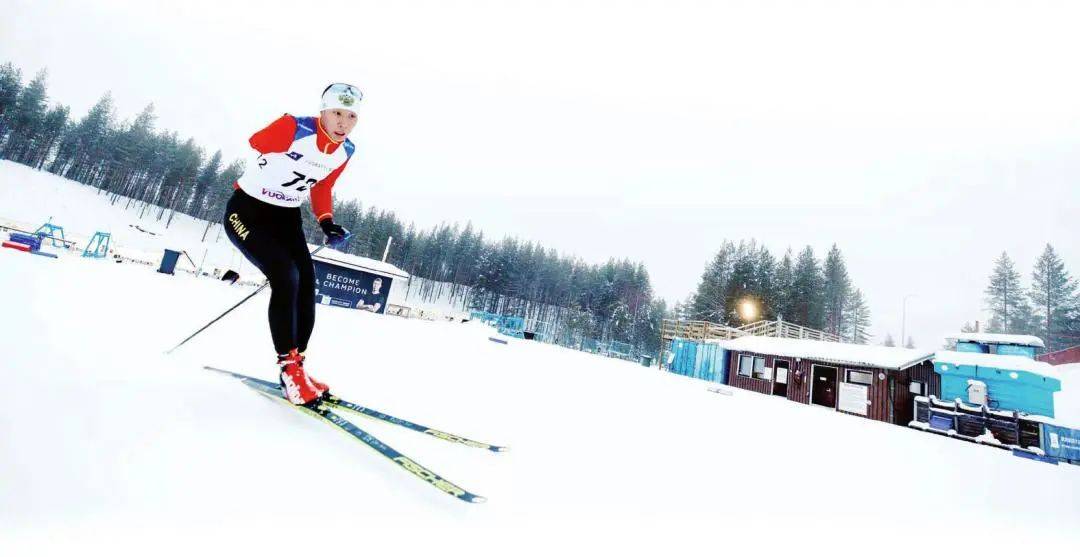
336,235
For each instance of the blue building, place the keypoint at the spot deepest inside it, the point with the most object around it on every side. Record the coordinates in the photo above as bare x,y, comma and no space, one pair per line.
999,372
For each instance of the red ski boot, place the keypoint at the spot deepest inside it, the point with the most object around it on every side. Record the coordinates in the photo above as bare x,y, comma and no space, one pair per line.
319,385
295,384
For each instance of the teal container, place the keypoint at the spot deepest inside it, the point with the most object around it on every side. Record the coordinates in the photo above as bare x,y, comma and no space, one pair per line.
1007,389
699,360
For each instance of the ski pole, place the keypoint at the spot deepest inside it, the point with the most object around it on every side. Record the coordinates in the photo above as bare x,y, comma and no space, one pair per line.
238,304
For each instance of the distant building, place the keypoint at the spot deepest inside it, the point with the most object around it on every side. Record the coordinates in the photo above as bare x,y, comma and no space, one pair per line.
1061,357
877,382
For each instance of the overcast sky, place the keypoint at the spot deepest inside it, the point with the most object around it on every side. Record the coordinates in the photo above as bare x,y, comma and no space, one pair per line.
924,138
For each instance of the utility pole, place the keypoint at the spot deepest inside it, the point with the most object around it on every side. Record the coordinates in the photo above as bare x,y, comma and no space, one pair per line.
903,321
387,250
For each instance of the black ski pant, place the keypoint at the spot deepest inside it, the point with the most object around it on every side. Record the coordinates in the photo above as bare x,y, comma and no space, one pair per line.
272,238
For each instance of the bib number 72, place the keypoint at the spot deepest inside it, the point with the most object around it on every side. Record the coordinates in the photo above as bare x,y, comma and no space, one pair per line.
307,182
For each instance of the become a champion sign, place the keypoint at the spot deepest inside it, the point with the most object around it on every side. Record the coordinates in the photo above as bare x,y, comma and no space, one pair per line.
340,286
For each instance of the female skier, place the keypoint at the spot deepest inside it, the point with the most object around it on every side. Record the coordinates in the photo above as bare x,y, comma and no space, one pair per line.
298,156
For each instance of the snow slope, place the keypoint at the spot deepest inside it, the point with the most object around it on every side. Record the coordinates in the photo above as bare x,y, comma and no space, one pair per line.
106,444
32,197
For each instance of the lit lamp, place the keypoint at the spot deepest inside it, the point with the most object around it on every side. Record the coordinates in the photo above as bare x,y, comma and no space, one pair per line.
748,310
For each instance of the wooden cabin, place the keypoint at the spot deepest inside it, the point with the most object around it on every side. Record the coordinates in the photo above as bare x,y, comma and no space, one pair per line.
876,382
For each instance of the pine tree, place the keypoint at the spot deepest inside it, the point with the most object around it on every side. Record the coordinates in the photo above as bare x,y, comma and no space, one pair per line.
709,302
767,288
10,86
53,127
837,291
1054,297
25,122
222,190
807,291
206,179
910,342
785,276
859,318
1007,301
132,157
741,285
888,340
83,149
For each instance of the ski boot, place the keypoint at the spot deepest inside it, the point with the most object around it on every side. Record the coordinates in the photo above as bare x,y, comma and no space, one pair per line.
295,384
319,385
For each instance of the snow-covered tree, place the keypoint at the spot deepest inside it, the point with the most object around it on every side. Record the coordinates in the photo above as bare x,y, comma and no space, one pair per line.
858,322
837,291
785,275
1006,299
1054,300
807,291
709,301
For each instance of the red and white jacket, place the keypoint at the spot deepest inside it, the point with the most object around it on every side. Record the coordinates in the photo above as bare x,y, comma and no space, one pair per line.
297,157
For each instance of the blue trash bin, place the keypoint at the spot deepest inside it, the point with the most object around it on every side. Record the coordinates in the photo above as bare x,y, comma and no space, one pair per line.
168,262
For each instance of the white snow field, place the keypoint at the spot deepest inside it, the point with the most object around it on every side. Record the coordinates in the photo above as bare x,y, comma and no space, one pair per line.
109,446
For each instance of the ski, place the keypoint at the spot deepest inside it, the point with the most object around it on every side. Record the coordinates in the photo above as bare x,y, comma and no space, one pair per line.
323,412
377,415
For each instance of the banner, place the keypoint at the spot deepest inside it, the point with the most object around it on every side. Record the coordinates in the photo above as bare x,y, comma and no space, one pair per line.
336,285
1061,442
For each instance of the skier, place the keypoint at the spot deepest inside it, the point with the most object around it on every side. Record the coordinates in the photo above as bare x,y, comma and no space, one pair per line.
297,157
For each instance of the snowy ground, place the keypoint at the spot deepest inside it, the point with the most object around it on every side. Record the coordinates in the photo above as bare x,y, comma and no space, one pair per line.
106,444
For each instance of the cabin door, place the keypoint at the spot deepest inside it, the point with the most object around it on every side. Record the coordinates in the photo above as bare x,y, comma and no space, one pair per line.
900,393
781,368
823,386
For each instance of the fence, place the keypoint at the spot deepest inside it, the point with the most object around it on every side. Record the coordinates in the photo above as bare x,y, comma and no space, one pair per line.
672,329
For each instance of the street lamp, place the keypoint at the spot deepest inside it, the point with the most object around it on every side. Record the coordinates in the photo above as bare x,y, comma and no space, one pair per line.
903,322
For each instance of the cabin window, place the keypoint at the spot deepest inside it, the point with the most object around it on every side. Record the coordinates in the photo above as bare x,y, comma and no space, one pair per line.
916,388
860,377
760,371
746,364
753,366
